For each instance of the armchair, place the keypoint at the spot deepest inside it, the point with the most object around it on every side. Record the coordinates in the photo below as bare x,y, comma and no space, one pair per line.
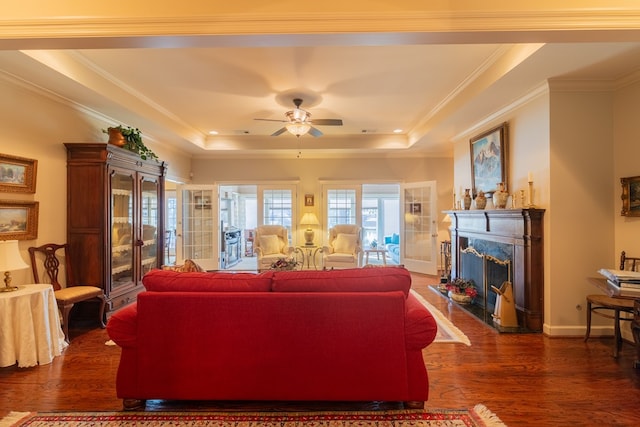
270,243
344,249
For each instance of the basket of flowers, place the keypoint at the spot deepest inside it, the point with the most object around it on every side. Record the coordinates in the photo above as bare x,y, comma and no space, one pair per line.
284,264
462,291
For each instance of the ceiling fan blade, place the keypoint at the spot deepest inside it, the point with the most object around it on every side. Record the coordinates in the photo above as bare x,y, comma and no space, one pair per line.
279,132
315,132
327,122
272,120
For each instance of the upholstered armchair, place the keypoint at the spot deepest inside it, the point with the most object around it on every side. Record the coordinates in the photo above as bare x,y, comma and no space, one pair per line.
344,249
270,243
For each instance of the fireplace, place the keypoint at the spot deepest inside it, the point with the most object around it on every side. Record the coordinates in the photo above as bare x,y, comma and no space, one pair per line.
487,271
494,246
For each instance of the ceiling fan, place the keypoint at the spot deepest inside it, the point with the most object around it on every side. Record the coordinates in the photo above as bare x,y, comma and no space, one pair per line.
299,122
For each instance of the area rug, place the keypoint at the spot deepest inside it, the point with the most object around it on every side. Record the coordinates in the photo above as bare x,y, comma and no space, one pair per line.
479,416
447,331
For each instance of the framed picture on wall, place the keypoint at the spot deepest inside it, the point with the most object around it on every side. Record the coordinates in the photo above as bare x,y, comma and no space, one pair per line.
489,160
630,196
18,220
308,199
17,174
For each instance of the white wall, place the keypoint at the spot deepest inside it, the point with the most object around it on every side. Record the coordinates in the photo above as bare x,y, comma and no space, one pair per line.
626,161
35,126
310,172
582,225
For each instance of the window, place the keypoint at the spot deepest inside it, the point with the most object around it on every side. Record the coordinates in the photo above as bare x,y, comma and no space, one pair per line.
341,206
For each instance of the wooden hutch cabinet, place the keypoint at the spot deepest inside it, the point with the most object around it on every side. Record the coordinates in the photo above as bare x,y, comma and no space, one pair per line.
115,218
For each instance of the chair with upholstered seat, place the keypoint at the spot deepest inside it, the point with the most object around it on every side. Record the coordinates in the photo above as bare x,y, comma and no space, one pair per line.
271,243
344,248
609,307
48,257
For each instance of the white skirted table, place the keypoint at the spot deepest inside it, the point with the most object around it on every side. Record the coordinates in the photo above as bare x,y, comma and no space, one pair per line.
30,332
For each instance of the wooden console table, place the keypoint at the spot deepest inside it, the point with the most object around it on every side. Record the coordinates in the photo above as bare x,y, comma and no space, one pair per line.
522,231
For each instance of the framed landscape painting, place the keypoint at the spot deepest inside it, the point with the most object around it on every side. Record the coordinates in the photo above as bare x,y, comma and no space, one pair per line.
17,174
630,196
488,160
18,220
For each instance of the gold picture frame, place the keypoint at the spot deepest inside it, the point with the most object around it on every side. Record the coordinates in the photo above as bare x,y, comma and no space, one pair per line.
630,196
489,160
17,174
18,220
308,200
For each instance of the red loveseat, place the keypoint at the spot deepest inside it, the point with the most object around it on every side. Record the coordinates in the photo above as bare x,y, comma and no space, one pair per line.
341,335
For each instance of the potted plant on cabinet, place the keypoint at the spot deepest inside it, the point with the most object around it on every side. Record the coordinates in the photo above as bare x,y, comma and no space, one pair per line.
130,139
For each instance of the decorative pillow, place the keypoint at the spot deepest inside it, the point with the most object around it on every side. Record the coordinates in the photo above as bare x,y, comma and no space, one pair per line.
345,243
270,244
174,281
383,279
188,265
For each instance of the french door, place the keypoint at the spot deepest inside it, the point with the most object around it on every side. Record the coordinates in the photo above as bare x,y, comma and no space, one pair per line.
418,249
197,231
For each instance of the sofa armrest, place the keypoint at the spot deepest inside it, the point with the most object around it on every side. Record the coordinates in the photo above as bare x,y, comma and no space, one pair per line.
123,327
420,326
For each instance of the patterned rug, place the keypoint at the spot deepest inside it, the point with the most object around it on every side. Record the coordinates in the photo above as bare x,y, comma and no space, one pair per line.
479,416
447,331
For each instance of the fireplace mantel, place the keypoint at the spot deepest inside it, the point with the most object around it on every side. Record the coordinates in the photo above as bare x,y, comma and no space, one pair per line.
522,230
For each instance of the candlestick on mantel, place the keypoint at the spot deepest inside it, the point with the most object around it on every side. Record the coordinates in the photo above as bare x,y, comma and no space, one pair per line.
529,177
530,204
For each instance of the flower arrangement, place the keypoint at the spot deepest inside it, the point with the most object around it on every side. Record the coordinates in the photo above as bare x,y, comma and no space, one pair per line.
284,264
463,287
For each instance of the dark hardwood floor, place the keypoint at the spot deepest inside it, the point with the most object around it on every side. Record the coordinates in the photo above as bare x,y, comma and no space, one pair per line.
526,379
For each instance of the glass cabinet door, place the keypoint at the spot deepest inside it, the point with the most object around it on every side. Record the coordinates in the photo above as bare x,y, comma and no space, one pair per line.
122,237
149,221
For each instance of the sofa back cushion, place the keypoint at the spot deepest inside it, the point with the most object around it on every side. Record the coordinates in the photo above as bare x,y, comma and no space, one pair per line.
165,280
384,279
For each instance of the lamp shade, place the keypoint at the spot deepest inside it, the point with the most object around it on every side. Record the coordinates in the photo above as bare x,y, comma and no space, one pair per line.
298,129
10,258
309,218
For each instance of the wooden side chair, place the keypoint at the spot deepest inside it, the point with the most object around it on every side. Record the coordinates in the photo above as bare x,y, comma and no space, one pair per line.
609,307
48,256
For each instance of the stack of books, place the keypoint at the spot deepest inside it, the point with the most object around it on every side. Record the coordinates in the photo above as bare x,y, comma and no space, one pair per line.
628,282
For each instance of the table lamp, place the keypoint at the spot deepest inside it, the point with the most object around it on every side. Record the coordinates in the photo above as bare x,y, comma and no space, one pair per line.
309,219
10,259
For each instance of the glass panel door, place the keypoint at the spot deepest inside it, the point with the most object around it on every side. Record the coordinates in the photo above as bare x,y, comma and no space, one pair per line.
418,245
122,237
198,226
150,224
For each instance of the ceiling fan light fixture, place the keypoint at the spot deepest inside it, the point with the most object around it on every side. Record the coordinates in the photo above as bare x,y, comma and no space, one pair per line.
298,129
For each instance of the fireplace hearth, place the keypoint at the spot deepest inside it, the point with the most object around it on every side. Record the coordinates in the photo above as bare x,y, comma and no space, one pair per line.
494,246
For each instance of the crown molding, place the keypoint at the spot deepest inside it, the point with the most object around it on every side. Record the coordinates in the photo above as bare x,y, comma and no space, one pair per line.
418,26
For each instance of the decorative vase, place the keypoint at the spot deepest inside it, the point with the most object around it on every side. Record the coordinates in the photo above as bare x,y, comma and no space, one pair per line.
467,199
500,196
481,200
460,298
116,137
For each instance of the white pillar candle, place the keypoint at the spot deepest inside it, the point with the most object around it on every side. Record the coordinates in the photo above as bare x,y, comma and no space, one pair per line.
530,177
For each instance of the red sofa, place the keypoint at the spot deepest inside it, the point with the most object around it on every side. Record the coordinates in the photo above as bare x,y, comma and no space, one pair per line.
341,335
